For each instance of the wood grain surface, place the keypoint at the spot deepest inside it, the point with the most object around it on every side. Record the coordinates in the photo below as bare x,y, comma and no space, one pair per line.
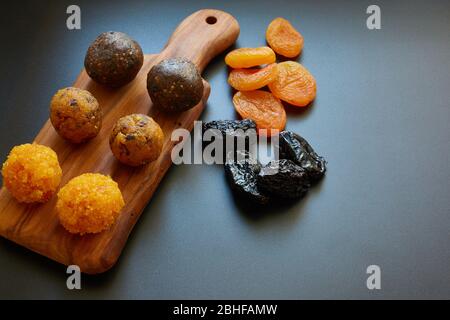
200,37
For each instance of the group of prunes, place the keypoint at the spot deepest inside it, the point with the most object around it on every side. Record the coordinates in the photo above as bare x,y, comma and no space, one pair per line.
298,168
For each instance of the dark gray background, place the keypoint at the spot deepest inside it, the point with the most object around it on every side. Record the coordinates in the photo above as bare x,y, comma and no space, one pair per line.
381,119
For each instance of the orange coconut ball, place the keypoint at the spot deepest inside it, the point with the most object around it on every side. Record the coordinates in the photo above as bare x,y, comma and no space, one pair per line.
89,203
32,173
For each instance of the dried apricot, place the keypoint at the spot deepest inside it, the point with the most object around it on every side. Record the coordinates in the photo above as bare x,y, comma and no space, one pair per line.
250,57
294,84
261,107
252,79
283,38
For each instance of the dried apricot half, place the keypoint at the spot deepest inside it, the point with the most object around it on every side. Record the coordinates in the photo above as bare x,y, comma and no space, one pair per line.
263,108
252,79
250,57
294,84
283,38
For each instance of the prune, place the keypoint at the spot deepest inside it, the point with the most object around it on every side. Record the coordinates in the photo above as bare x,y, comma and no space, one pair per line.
263,108
229,127
284,179
242,175
296,148
240,130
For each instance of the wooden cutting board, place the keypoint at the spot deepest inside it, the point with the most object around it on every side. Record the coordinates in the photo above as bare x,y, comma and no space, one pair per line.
200,37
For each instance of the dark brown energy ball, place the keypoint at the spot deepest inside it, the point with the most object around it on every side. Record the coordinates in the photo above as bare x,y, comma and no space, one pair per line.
136,139
175,85
75,114
113,59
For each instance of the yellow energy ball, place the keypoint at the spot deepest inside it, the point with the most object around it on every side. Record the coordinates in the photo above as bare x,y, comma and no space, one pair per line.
136,139
75,114
31,173
89,203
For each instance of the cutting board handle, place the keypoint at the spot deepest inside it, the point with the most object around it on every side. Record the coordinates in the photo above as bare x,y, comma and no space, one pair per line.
202,36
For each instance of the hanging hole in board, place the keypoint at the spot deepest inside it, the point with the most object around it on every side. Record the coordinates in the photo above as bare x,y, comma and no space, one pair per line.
211,20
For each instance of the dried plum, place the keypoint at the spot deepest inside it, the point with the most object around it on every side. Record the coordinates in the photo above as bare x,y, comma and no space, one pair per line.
228,127
242,175
238,129
284,179
296,148
290,177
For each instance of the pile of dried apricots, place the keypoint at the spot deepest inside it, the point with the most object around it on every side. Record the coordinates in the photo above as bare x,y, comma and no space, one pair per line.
255,68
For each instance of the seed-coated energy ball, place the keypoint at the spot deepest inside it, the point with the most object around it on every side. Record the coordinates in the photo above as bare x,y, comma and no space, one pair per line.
32,173
75,114
136,139
113,59
175,85
89,203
